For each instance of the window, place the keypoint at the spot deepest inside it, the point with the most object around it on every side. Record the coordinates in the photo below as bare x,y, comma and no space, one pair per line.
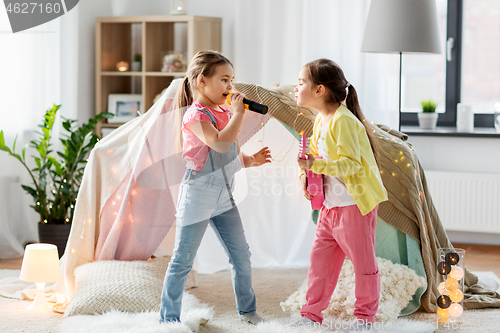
481,54
470,73
424,74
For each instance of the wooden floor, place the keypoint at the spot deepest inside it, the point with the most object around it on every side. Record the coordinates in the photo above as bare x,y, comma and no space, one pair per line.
11,263
477,258
481,257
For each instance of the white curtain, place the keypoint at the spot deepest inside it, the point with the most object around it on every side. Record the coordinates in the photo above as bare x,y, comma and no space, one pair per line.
273,39
275,215
29,85
267,41
270,40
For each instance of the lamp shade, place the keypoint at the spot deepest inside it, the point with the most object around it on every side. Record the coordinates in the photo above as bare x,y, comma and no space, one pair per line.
402,26
40,264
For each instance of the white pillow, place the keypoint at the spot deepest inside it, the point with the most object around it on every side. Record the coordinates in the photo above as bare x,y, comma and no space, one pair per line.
129,286
398,283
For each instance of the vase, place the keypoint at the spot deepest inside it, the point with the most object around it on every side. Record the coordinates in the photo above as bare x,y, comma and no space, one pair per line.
136,66
450,282
56,234
427,120
465,118
178,7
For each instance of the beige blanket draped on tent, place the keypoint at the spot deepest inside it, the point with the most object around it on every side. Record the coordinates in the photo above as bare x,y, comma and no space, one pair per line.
409,208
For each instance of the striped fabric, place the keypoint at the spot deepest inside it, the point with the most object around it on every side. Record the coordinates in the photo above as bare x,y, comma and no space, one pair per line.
127,286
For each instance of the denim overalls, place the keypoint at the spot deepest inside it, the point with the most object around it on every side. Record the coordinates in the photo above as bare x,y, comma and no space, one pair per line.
205,198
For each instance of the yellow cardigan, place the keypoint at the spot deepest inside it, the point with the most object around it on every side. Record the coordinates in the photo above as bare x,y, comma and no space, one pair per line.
352,159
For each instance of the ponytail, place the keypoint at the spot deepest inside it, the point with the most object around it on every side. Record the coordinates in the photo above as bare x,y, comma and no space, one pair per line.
352,104
183,99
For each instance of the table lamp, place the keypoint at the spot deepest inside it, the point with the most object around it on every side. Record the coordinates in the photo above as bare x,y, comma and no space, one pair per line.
397,26
40,266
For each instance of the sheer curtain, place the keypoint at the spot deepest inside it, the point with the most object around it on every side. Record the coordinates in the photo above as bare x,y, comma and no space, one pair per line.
274,39
29,85
269,41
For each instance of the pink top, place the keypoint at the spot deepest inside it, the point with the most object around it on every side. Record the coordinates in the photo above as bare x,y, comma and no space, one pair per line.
195,151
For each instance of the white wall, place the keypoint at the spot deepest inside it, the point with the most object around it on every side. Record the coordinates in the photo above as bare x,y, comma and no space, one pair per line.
435,153
458,154
81,62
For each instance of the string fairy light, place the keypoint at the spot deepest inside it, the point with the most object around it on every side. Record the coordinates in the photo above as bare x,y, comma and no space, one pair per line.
264,131
291,146
259,98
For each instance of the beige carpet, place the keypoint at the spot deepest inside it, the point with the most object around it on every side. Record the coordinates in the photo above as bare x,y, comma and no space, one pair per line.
272,286
15,318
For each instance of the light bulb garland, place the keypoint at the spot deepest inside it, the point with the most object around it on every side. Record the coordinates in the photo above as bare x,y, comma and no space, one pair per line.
452,258
456,295
457,273
443,313
291,146
451,289
455,310
443,268
442,289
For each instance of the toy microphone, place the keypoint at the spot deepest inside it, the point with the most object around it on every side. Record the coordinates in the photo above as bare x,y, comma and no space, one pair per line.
250,105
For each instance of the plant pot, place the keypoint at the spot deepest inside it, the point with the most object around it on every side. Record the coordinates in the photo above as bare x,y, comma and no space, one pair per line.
136,66
56,234
427,120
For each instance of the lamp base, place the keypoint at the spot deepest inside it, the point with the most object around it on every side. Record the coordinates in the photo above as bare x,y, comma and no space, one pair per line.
40,303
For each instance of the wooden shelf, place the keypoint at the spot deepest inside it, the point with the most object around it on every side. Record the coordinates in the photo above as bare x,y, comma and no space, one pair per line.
117,73
119,38
181,74
131,73
111,125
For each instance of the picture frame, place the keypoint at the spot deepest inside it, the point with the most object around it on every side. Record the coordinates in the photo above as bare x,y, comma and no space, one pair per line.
124,107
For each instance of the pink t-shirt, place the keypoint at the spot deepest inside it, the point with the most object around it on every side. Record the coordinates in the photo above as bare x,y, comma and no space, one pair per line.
195,151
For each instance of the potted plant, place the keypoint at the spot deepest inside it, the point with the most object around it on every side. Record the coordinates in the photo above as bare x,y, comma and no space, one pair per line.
427,119
55,181
136,64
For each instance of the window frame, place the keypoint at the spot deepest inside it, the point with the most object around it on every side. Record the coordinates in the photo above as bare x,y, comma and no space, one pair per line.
454,28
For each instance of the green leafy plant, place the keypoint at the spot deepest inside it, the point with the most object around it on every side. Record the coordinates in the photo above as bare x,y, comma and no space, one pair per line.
56,181
428,106
138,57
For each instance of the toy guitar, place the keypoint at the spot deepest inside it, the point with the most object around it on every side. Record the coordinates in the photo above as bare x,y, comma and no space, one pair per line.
314,181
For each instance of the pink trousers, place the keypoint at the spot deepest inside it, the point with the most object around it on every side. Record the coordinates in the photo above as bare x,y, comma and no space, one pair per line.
341,232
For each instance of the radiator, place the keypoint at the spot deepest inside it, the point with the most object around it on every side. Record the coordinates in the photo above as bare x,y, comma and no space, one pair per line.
466,201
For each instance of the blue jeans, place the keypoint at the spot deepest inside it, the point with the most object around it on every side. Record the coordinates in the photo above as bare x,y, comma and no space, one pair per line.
229,230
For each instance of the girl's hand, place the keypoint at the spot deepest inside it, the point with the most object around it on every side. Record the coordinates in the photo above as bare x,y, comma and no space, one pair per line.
303,183
237,102
263,156
307,163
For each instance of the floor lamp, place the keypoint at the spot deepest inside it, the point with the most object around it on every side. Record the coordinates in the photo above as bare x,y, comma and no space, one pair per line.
397,26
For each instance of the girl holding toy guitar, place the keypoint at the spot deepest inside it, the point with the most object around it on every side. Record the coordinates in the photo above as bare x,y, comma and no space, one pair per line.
352,188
